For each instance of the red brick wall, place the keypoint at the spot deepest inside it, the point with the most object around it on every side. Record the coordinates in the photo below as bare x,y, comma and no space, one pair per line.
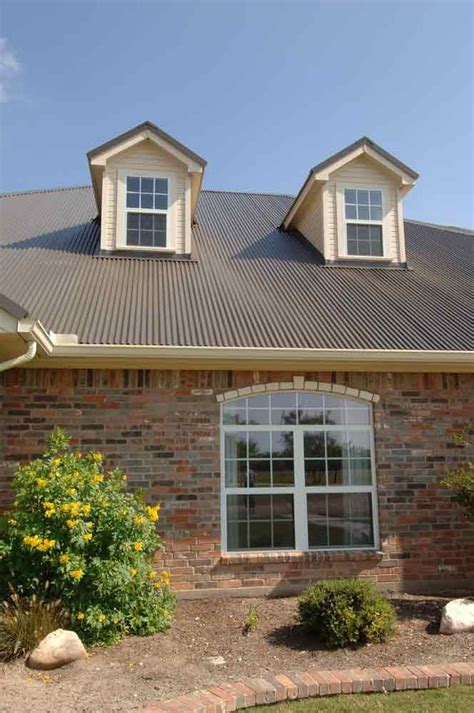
162,427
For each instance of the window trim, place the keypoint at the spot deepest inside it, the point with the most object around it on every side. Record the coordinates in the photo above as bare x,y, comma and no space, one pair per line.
343,222
122,211
299,490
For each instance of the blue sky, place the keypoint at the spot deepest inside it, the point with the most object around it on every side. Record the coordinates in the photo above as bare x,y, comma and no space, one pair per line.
263,90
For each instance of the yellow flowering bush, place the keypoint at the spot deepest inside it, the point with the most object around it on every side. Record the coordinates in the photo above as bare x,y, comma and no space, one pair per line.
74,525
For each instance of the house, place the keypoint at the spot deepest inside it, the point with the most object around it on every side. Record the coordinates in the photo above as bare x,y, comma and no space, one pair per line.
282,373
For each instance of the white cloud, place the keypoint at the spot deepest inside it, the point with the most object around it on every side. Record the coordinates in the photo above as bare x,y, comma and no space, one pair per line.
9,68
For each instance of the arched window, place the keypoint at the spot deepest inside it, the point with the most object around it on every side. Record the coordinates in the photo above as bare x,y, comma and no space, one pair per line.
298,473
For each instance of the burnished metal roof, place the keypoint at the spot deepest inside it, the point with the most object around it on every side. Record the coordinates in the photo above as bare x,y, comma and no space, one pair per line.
248,283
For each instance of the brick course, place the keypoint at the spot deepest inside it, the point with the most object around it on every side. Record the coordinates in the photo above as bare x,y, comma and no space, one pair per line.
162,427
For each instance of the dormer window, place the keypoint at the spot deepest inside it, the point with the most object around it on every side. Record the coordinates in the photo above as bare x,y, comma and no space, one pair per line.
147,212
363,217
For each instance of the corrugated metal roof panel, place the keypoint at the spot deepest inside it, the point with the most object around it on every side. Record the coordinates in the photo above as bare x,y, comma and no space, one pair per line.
249,283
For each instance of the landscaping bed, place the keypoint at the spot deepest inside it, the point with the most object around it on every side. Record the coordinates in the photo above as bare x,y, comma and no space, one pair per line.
141,670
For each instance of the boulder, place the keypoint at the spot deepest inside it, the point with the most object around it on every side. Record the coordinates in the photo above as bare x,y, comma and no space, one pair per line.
457,616
57,649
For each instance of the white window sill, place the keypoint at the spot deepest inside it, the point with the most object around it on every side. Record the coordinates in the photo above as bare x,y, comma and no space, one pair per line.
366,258
139,249
250,557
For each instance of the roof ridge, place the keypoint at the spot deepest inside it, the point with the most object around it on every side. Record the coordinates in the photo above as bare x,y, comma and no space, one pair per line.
12,194
450,228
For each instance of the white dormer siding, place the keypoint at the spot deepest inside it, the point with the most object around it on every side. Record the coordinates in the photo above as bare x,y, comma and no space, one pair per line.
363,173
350,207
310,219
146,185
144,159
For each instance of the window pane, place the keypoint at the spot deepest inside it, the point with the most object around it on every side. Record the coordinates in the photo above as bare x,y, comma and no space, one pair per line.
259,507
363,197
336,444
133,200
159,240
283,507
317,520
283,473
146,238
237,507
376,213
376,198
133,184
159,222
236,473
350,520
361,473
362,232
259,474
338,472
146,222
259,444
259,416
133,220
314,444
350,196
315,472
237,536
335,417
146,185
133,237
358,416
282,444
283,534
311,416
359,444
352,247
146,201
161,185
363,212
161,202
351,212
260,535
236,445
281,417
352,232
284,400
234,416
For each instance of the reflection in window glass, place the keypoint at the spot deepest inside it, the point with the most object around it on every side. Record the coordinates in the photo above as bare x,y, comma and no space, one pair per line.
277,443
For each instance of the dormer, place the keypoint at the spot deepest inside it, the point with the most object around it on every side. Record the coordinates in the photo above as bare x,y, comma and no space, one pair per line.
146,186
351,207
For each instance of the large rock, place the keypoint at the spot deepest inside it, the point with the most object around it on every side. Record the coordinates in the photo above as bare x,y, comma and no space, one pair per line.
57,649
457,616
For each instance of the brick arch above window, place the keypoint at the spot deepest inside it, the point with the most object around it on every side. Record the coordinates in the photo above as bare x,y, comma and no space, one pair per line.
301,384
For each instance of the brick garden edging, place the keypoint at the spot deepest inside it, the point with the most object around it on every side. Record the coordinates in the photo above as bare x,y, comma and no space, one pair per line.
249,692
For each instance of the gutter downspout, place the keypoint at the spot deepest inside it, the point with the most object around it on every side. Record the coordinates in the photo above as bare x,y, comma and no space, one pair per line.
17,361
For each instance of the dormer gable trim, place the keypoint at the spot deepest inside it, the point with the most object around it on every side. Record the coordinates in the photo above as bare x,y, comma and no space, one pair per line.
146,130
364,146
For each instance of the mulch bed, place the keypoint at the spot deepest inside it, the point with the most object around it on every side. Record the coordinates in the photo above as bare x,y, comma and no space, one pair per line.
142,670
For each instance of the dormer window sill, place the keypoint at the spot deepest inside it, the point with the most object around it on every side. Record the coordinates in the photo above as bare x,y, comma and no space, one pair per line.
141,249
366,258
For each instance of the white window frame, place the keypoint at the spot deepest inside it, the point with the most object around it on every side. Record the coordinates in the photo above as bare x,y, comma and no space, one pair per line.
300,490
122,211
343,222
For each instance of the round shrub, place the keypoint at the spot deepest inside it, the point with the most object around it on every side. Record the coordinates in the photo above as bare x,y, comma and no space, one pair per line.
342,612
76,527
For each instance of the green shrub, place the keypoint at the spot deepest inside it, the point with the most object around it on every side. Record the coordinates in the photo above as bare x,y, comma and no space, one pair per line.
346,611
75,526
24,622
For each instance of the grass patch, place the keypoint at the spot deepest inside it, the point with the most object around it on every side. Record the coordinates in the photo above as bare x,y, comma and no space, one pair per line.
458,699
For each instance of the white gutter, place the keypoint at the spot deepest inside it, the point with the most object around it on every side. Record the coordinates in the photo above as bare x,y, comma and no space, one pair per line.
17,361
173,352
